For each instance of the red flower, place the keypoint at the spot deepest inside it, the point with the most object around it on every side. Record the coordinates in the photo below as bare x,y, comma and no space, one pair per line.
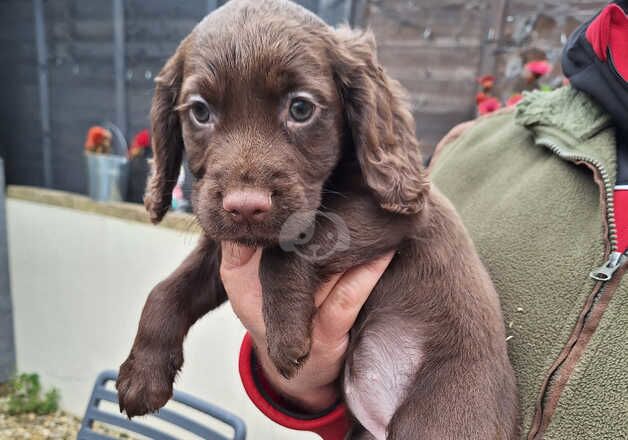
141,139
489,105
97,136
486,81
538,68
514,99
481,97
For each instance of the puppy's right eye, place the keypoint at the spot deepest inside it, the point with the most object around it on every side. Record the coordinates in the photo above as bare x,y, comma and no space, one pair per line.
199,111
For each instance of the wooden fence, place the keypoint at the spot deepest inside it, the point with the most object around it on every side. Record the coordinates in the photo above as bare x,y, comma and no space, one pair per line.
70,64
438,48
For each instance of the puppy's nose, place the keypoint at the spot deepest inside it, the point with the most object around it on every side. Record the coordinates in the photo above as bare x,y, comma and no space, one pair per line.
247,205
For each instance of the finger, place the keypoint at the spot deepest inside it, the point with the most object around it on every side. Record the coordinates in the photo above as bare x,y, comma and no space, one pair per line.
323,292
339,311
239,271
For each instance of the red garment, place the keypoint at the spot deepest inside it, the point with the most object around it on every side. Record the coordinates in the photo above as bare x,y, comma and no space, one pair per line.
621,218
609,31
332,426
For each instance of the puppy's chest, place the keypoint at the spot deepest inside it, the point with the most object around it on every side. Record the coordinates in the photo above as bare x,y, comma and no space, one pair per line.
383,361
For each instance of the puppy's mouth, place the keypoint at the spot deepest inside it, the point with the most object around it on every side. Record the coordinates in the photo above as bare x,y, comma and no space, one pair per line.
252,235
275,228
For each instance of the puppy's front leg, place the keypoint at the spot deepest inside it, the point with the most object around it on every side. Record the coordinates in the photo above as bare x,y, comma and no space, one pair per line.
145,380
288,286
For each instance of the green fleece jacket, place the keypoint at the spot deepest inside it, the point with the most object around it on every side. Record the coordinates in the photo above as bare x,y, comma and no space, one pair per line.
534,188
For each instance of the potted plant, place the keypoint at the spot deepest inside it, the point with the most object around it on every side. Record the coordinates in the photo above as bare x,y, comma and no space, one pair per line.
107,173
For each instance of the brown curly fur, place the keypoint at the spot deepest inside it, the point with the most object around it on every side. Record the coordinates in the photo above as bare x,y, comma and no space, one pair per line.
427,358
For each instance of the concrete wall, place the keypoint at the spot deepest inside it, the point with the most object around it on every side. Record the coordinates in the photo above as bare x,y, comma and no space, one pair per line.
79,282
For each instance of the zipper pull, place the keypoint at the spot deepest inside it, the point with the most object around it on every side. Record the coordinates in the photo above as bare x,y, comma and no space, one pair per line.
605,272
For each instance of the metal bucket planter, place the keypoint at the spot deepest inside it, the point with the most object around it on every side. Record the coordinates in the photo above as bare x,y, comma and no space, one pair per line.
107,177
108,174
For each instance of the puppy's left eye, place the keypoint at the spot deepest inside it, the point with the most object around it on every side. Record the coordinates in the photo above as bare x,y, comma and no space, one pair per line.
301,110
200,112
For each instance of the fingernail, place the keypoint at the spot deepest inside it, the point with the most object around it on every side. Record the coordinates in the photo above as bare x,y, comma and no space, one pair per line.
235,255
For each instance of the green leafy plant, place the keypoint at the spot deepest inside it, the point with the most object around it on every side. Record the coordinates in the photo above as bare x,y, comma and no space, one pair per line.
25,396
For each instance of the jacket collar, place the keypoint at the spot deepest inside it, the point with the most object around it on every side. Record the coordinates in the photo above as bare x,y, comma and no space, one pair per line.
595,60
571,120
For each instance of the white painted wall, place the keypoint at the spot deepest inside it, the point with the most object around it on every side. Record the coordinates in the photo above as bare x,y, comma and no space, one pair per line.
79,281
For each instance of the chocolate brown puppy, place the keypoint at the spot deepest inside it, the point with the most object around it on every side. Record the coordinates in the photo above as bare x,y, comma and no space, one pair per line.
301,144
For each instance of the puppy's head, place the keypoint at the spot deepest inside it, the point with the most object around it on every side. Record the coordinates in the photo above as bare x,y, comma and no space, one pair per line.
266,100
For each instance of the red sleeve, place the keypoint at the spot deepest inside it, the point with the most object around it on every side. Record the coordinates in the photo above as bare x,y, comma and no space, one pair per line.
332,424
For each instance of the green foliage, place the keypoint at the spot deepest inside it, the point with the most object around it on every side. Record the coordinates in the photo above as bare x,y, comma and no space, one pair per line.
25,396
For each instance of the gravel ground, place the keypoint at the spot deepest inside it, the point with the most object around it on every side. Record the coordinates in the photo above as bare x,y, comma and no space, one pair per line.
56,426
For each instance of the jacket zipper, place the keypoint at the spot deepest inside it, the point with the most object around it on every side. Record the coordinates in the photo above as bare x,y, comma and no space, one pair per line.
608,186
603,274
615,259
607,270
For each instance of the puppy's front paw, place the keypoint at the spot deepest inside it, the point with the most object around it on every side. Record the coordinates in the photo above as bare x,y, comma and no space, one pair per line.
289,354
145,381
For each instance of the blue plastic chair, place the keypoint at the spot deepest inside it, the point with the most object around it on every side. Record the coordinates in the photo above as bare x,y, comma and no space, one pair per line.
101,393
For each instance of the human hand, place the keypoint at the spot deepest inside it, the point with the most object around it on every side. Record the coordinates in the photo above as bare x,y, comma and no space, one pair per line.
338,302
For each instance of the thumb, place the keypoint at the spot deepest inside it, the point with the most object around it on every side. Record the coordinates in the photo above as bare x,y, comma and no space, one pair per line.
239,271
341,308
234,255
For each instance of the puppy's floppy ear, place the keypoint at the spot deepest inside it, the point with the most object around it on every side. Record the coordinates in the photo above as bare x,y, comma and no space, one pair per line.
167,140
381,124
